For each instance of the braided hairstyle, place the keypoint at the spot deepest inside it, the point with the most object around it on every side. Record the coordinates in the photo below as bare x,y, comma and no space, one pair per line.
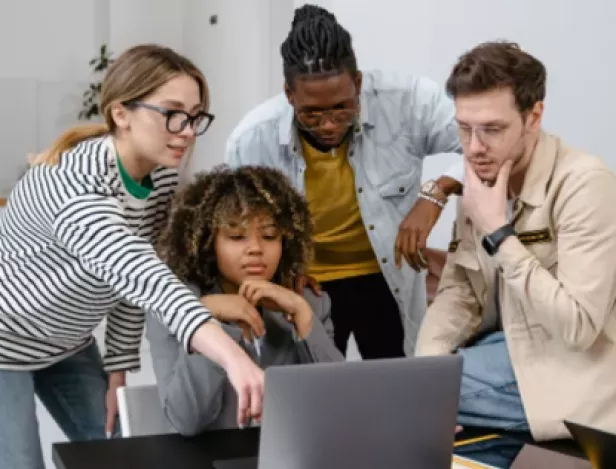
223,196
316,45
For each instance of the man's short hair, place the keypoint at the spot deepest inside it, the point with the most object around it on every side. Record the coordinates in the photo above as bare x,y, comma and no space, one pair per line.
494,65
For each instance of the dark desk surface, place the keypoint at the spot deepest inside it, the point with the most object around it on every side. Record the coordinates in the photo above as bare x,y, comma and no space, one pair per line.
170,451
153,452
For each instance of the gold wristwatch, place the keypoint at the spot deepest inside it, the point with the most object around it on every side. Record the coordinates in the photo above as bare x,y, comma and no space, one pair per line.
430,190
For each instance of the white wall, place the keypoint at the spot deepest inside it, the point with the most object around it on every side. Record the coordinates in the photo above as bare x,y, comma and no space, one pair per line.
40,84
240,58
574,40
145,21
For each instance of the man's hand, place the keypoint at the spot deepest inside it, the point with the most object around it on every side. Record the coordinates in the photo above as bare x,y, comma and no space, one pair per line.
486,206
236,308
303,281
117,379
413,233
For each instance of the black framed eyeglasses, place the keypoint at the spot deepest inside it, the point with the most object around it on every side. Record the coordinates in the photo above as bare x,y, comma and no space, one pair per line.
178,120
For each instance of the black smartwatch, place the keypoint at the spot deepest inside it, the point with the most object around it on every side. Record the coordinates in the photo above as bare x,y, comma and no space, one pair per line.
492,242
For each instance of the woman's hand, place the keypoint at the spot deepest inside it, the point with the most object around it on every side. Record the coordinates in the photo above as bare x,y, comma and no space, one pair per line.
117,379
235,308
278,298
246,378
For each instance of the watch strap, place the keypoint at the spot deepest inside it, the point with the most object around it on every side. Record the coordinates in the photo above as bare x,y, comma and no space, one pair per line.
429,198
433,190
492,242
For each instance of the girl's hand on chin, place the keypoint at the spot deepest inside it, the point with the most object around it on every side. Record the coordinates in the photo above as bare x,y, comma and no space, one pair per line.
278,298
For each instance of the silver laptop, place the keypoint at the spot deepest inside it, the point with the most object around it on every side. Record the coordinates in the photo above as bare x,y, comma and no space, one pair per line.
393,413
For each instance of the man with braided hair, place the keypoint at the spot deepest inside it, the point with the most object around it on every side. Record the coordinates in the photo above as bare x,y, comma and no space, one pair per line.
354,144
238,237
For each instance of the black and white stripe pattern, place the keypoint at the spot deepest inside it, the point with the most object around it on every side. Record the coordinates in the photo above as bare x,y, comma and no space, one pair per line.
76,247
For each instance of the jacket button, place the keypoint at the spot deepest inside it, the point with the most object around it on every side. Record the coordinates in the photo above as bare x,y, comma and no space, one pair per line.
401,189
384,260
371,227
351,153
397,290
360,190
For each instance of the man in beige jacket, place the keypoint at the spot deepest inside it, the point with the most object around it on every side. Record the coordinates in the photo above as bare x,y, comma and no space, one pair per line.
528,292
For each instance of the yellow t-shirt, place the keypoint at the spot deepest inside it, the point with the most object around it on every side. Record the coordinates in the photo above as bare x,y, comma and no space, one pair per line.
342,247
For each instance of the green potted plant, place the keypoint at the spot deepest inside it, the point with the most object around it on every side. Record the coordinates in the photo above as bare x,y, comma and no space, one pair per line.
90,104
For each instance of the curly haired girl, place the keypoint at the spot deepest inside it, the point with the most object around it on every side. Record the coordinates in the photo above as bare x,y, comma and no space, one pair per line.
239,237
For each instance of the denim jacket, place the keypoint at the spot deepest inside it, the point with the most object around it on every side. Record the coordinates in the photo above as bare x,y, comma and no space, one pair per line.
403,119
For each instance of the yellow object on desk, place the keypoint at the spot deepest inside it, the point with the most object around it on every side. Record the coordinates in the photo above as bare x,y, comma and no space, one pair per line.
2,201
459,462
478,439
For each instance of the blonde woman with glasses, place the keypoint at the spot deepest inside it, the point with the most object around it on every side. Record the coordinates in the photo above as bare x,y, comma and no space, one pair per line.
76,247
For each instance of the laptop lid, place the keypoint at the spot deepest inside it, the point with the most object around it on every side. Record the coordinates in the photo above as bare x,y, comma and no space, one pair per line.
598,445
389,413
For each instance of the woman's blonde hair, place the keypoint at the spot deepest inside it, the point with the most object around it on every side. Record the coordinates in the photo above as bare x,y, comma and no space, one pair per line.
135,74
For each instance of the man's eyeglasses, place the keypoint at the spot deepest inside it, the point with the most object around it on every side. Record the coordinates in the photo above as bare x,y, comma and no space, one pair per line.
488,135
315,120
178,120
